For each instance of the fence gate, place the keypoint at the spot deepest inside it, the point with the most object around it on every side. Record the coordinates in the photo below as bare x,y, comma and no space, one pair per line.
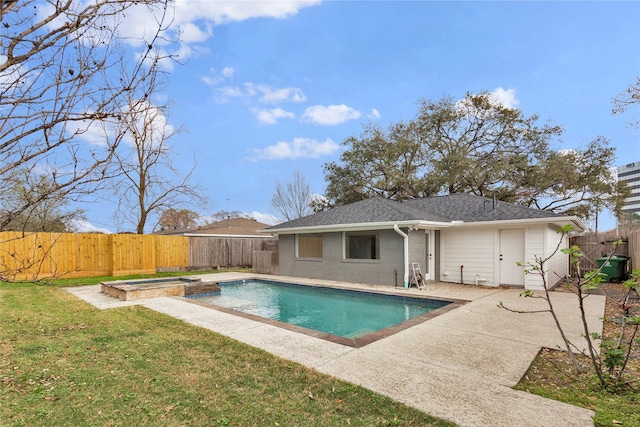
594,246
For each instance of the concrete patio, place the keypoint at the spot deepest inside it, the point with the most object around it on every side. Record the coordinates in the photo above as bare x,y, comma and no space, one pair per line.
460,365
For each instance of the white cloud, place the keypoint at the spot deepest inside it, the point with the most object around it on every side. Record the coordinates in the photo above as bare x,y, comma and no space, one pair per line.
186,22
265,218
215,77
230,92
191,33
506,98
100,133
151,121
227,72
266,93
330,115
299,148
95,133
272,95
12,80
270,117
84,226
192,22
222,12
375,114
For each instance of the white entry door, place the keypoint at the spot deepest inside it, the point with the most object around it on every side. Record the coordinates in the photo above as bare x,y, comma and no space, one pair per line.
512,252
429,265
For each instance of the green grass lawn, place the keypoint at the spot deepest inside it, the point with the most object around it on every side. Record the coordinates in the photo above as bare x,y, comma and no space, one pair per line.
65,362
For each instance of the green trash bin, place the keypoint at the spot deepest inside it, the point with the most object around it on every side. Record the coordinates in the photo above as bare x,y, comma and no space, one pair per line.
615,269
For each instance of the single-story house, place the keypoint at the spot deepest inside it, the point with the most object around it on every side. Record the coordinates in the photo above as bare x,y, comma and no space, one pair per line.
458,238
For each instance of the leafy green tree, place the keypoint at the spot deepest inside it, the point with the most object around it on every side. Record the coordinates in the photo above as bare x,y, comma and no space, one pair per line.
392,164
474,145
478,146
575,182
628,221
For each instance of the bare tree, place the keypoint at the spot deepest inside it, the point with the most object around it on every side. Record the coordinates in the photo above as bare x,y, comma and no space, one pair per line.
626,99
148,181
50,214
63,69
292,199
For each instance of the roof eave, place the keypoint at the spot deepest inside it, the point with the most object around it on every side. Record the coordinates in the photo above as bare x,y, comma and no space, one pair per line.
575,221
364,226
252,236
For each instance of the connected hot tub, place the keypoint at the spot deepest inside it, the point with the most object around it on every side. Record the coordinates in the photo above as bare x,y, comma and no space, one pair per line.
128,290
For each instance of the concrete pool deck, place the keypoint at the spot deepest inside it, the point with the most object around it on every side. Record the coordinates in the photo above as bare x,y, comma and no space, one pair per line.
460,365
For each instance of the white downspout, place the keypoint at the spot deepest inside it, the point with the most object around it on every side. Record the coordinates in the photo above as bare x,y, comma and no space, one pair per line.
406,254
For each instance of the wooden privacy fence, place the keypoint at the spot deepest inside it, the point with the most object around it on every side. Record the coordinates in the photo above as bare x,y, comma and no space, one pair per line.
634,249
266,262
206,252
39,255
594,246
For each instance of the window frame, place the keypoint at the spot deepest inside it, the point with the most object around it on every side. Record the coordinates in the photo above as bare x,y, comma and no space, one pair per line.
309,235
346,251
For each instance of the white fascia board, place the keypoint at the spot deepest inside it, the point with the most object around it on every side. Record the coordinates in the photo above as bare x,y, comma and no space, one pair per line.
579,226
365,226
248,236
575,221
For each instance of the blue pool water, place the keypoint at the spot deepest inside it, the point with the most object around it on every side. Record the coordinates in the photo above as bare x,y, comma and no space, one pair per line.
345,313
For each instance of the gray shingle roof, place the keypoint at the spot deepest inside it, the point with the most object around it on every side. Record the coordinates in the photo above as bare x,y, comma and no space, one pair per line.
456,207
470,208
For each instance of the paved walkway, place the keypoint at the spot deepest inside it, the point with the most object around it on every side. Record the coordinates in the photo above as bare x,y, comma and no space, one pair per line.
460,365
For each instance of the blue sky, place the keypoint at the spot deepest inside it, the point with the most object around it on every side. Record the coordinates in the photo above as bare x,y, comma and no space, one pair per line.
270,88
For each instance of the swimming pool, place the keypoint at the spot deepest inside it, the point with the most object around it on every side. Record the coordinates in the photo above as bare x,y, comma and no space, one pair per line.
341,315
